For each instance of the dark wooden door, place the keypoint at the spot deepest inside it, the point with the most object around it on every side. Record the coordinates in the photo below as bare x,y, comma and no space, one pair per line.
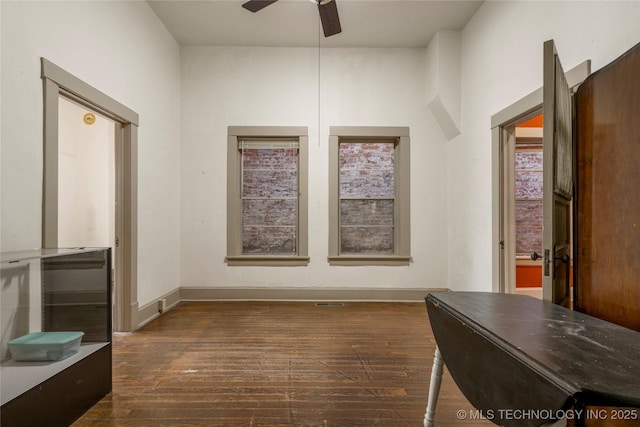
607,139
557,179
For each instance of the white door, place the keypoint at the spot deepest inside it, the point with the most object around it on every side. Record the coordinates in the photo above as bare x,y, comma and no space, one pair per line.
557,180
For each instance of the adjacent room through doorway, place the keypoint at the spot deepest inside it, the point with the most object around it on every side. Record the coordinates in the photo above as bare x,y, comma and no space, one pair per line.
527,167
523,204
86,177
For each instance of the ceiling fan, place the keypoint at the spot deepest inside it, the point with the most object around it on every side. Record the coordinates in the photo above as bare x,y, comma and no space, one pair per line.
327,8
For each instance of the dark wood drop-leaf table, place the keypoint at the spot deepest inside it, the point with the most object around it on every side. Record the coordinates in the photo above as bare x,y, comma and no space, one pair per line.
521,361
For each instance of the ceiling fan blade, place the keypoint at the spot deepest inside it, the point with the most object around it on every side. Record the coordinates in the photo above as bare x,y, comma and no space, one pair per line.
256,5
329,18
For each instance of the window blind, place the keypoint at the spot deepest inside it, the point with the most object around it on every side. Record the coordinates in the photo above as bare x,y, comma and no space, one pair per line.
267,144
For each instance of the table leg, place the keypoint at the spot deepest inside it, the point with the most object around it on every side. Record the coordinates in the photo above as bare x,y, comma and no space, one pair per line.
434,389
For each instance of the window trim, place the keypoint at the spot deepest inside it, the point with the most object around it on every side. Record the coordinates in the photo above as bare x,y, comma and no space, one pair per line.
234,201
402,229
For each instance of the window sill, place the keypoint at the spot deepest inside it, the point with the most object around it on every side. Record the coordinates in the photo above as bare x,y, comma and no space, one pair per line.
266,260
527,261
385,260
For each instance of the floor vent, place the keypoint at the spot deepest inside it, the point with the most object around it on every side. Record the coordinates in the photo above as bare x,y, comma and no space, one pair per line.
329,304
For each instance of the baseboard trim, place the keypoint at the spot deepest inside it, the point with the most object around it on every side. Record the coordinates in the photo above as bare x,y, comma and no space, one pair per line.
305,294
150,311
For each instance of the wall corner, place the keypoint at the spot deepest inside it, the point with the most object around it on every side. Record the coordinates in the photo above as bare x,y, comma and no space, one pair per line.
443,81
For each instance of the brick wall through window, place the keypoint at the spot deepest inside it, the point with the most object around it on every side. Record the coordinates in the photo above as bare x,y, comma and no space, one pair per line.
269,201
367,197
528,176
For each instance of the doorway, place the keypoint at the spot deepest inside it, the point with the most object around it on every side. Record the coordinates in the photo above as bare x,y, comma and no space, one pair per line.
58,84
86,177
522,194
523,178
503,135
86,183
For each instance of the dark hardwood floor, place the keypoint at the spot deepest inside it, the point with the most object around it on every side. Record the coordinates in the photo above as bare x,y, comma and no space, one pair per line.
278,364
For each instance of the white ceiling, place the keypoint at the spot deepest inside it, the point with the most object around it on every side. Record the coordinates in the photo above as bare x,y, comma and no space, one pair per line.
295,23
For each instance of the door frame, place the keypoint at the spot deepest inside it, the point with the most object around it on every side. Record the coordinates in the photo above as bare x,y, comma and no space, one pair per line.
507,183
504,266
58,82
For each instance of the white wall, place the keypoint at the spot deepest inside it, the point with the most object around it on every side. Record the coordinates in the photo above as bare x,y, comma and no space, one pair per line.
501,63
86,178
279,86
443,82
123,50
20,302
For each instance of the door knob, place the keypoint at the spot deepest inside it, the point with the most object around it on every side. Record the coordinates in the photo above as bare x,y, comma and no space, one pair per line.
545,260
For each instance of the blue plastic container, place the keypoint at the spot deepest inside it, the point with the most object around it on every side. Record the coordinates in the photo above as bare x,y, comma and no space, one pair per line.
40,346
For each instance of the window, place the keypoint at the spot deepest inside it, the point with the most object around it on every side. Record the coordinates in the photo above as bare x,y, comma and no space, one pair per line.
528,183
369,196
266,196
